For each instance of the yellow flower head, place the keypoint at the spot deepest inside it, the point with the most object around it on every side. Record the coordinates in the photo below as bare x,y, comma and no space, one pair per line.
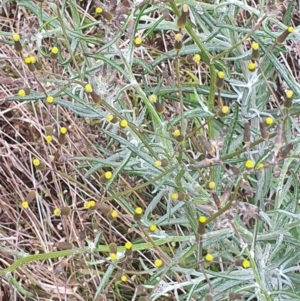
36,162
249,164
54,50
86,205
32,59
176,133
246,264
48,138
157,163
152,228
57,212
158,263
221,74
88,88
16,37
123,278
153,98
196,58
114,214
24,205
174,196
269,120
289,93
63,130
211,185
178,37
260,166
108,175
209,257
138,41
27,60
138,211
225,110
251,67
92,203
123,123
202,219
128,245
49,99
99,10
290,29
22,93
255,46
109,117
113,256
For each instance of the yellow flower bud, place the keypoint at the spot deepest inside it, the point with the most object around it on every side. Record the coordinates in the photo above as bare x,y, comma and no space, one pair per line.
50,99
88,88
249,164
138,41
158,263
209,258
24,205
152,228
57,212
123,123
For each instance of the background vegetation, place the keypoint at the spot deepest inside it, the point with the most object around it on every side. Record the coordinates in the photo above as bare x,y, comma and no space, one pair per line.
107,139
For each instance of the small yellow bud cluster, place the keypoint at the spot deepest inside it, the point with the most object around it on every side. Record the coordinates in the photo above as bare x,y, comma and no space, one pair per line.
112,215
54,53
211,185
251,67
269,121
178,136
220,80
89,204
209,257
62,135
49,100
38,164
193,59
181,23
105,14
178,196
178,41
281,38
17,44
201,227
159,107
106,177
152,228
111,118
30,62
223,111
161,163
138,42
138,212
95,97
288,100
246,264
123,124
24,204
57,212
249,164
255,51
128,249
158,263
29,197
24,92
